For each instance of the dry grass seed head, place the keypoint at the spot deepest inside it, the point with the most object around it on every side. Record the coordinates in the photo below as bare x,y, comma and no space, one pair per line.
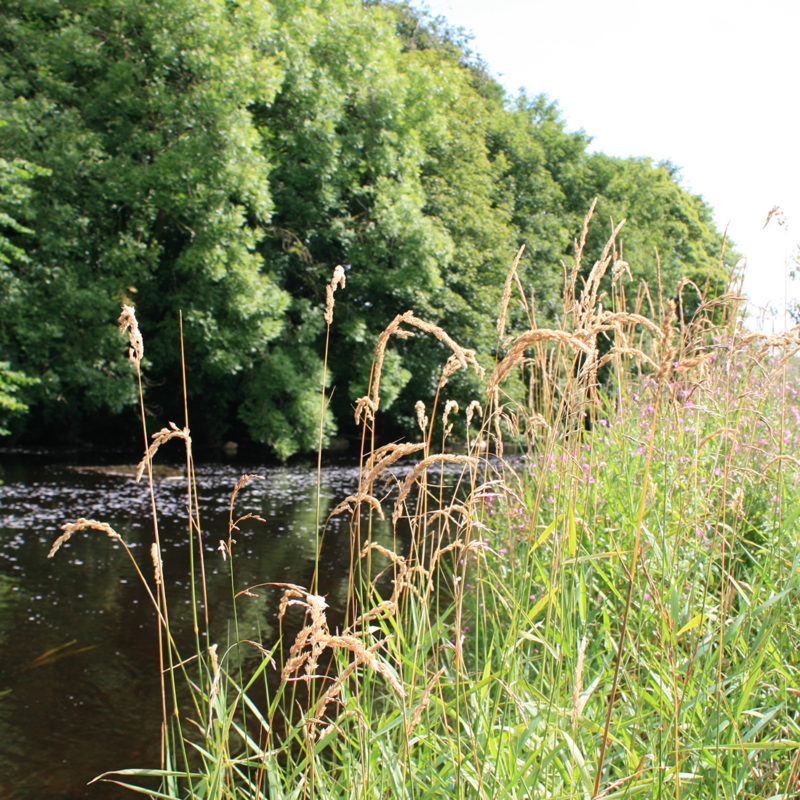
501,319
592,285
577,685
451,366
466,356
234,525
127,322
536,420
421,468
158,566
619,268
365,409
702,362
337,280
352,503
292,595
422,417
365,656
380,461
311,639
402,580
159,438
776,213
617,353
333,693
523,342
384,609
416,714
215,671
450,407
616,319
578,245
668,348
473,408
448,515
82,524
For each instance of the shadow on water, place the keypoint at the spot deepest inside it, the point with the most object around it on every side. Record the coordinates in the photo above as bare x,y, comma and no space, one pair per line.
79,692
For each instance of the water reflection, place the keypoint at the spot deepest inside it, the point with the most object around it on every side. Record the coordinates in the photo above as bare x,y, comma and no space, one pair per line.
78,664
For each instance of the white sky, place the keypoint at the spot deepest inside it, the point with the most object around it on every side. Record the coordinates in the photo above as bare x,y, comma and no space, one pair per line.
710,85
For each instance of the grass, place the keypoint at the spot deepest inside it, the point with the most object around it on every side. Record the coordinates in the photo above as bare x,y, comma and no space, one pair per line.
593,593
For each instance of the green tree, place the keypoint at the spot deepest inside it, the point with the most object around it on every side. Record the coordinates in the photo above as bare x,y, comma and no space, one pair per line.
670,234
15,193
157,194
220,159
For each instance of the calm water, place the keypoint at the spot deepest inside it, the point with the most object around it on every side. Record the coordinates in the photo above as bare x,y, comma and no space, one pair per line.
78,662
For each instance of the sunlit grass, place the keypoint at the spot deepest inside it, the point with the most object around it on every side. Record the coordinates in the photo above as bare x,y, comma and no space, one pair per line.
593,594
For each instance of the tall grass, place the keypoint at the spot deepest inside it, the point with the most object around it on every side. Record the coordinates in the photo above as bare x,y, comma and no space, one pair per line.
592,593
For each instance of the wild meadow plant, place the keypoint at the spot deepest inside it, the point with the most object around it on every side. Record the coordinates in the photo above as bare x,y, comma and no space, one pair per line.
591,593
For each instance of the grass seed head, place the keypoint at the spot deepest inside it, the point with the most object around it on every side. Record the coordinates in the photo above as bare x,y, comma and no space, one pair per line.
337,280
82,524
127,322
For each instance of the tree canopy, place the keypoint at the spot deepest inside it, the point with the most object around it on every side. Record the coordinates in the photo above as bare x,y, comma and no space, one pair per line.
220,158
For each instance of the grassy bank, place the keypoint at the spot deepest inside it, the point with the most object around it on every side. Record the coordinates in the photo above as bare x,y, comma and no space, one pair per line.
591,593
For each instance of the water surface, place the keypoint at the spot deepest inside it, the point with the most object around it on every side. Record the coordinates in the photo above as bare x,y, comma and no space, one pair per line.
78,663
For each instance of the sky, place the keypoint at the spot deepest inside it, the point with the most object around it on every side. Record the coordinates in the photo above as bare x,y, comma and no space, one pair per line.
710,86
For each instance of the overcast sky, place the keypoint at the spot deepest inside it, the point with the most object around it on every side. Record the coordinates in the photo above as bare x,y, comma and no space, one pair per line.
711,86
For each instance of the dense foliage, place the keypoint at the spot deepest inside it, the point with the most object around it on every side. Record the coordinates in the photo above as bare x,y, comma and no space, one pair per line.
221,158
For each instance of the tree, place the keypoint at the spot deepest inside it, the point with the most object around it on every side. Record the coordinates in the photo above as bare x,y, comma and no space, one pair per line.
15,194
221,158
156,195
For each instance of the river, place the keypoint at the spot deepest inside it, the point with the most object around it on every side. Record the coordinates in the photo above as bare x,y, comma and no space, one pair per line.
79,689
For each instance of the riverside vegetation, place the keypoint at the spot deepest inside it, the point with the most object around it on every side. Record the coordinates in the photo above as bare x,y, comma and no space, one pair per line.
588,587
